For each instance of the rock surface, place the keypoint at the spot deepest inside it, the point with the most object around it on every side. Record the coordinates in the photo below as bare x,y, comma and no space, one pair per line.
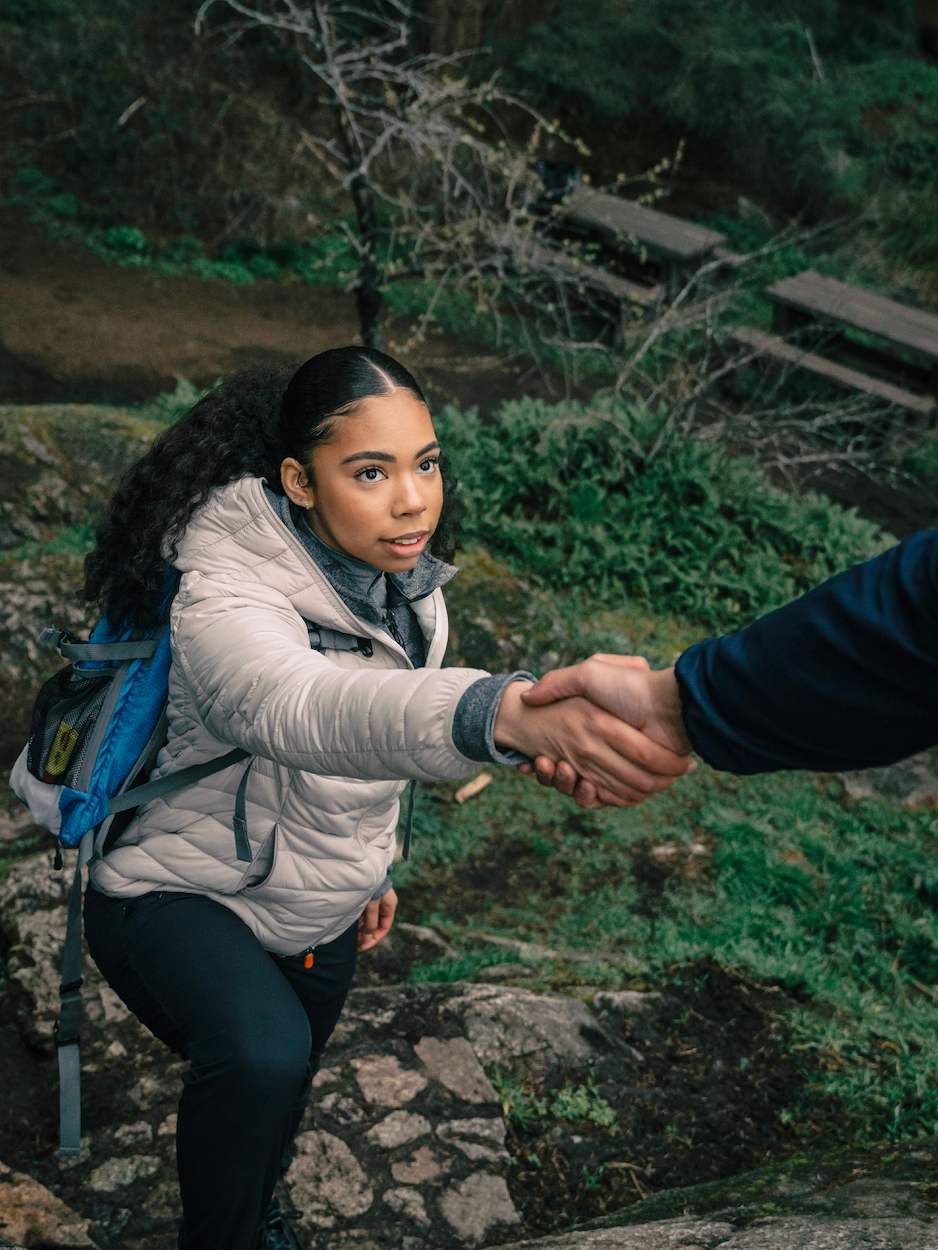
404,1136
30,1215
910,783
58,466
405,1145
873,1202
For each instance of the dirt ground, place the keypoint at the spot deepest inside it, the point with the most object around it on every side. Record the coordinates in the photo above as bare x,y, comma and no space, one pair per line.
76,329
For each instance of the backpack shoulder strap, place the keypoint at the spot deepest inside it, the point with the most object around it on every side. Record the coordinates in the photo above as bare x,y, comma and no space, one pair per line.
67,1025
323,639
71,648
174,781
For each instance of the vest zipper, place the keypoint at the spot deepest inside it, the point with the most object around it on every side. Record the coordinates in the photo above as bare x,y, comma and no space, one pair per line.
394,631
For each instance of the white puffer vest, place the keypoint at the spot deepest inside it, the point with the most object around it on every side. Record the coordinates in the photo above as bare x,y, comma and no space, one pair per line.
334,736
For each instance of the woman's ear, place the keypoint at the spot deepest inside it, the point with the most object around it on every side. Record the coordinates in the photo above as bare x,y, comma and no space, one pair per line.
293,478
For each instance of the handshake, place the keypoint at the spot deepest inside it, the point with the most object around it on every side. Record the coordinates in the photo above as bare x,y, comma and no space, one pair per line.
607,732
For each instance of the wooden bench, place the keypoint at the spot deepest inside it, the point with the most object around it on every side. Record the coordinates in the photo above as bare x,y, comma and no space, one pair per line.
679,247
810,297
818,311
779,349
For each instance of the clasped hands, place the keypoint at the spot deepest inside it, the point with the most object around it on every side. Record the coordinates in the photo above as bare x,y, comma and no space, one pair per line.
607,732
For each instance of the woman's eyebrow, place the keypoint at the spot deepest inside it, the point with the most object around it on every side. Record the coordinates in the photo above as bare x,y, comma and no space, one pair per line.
371,455
386,457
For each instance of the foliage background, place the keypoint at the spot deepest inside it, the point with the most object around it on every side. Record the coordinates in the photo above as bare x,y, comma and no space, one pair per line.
806,108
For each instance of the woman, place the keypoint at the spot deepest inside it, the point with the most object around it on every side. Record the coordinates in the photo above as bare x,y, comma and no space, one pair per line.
308,627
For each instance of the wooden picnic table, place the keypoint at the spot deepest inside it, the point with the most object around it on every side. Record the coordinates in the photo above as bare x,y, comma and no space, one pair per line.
812,297
669,237
680,247
824,306
779,349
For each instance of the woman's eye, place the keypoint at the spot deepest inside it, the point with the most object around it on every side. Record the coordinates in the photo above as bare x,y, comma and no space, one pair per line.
427,466
371,474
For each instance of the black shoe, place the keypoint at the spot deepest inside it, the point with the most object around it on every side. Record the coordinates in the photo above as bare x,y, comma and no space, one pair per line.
276,1233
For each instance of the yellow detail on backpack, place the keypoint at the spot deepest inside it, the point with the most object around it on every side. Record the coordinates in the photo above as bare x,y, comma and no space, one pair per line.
63,744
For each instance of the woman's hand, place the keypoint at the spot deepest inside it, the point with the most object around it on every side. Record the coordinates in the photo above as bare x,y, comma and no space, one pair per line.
622,764
376,920
623,685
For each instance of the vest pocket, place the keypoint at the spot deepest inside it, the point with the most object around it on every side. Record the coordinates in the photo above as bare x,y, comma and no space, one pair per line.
262,866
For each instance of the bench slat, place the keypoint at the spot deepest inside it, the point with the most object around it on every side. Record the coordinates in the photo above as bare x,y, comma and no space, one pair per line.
812,293
670,237
778,349
591,275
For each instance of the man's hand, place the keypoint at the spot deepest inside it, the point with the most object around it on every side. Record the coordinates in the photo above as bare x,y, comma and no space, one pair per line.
625,686
376,920
621,764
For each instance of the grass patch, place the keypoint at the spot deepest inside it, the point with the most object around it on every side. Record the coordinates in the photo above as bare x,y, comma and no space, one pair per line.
75,540
575,1104
463,968
777,876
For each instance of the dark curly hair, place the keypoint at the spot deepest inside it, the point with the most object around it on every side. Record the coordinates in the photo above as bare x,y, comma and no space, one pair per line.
246,426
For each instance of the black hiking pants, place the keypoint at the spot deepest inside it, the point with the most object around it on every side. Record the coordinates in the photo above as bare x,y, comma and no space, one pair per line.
253,1027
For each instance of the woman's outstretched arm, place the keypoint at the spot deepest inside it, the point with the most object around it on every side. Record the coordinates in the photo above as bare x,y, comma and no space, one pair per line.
249,675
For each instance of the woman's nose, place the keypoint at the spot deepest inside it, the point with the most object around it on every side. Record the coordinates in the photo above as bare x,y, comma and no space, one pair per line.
409,501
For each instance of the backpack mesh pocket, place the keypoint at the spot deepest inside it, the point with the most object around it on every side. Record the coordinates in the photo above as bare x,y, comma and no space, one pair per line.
63,721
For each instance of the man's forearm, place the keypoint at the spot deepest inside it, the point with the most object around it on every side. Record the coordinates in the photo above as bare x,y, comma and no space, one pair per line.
845,677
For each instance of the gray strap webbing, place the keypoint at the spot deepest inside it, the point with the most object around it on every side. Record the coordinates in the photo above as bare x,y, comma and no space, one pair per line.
67,1028
409,827
240,822
143,650
322,639
108,650
174,781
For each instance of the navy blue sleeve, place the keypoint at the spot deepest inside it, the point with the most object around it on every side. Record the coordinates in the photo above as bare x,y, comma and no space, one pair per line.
845,677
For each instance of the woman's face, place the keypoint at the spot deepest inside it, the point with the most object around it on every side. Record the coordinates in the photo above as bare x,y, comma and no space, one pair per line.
374,490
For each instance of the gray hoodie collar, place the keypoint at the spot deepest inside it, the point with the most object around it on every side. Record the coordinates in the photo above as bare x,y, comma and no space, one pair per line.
367,590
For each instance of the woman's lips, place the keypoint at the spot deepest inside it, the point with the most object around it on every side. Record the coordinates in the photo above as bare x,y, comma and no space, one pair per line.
406,544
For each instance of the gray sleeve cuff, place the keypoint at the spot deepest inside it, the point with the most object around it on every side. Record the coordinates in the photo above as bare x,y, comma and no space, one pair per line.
474,721
386,884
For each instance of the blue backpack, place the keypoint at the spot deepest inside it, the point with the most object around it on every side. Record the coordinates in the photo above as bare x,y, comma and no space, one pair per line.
97,728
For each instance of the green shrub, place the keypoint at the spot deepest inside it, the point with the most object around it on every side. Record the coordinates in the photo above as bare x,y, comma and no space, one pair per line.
170,406
519,1102
582,1102
603,498
922,460
573,1103
817,106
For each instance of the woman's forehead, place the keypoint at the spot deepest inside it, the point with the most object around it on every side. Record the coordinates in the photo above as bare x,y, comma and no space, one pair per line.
382,422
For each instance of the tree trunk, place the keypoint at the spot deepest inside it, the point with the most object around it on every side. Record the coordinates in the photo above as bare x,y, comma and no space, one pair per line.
368,297
926,27
455,25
